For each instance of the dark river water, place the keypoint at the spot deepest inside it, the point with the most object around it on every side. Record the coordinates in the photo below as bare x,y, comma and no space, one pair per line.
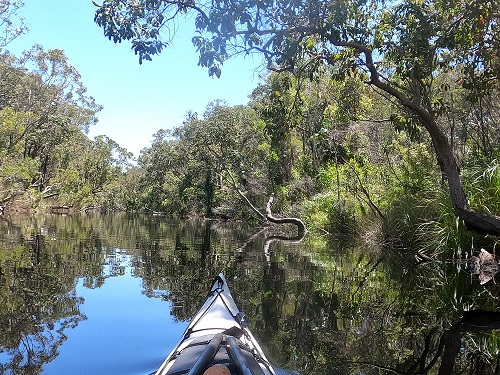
112,294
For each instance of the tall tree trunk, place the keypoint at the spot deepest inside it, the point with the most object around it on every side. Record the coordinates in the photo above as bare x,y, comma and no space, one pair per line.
480,222
477,221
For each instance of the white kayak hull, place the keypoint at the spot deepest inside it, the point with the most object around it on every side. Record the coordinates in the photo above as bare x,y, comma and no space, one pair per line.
217,335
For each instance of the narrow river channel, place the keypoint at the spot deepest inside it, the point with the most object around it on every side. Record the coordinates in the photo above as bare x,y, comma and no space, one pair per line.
112,294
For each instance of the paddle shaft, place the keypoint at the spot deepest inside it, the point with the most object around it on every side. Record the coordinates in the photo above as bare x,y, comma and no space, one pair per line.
207,355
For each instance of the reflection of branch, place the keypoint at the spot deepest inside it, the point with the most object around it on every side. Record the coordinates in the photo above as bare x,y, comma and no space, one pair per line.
245,244
385,368
268,241
271,239
423,357
367,274
450,342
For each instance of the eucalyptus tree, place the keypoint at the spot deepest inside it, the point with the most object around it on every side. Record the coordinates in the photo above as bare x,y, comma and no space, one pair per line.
11,22
471,120
89,173
317,113
397,47
227,152
275,102
159,174
43,104
195,168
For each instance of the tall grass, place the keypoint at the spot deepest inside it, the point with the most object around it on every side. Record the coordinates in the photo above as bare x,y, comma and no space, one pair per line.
407,188
482,181
426,220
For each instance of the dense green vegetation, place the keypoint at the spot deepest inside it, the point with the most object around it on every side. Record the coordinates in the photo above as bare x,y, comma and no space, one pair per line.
341,140
44,152
376,119
402,50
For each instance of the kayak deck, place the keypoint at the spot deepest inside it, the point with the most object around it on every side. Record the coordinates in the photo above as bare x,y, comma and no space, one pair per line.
217,335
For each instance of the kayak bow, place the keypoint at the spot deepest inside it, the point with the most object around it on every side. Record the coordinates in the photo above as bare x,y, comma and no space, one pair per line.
217,335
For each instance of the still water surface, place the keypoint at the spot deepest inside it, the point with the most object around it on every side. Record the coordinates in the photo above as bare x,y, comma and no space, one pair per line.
112,294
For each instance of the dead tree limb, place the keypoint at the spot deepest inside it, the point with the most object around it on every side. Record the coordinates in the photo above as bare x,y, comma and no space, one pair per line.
244,197
301,228
269,217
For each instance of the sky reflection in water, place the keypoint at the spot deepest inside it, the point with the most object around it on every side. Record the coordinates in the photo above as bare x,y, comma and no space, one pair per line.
125,332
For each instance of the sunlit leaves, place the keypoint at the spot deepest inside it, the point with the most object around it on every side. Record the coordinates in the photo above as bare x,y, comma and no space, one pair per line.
408,124
88,172
139,22
44,114
484,185
12,126
191,170
399,48
409,37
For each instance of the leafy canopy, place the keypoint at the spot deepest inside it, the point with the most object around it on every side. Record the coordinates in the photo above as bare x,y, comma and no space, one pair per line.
409,39
400,48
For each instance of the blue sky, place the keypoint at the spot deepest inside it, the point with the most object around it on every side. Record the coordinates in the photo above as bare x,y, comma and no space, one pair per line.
138,100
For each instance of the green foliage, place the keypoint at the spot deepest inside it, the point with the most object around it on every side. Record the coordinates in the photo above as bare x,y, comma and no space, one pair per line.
326,212
412,193
438,231
195,169
274,102
412,37
90,172
483,182
314,134
44,115
402,49
419,211
410,125
410,168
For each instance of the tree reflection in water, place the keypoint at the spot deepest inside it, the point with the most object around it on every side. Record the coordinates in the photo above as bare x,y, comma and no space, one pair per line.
450,345
38,304
317,307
